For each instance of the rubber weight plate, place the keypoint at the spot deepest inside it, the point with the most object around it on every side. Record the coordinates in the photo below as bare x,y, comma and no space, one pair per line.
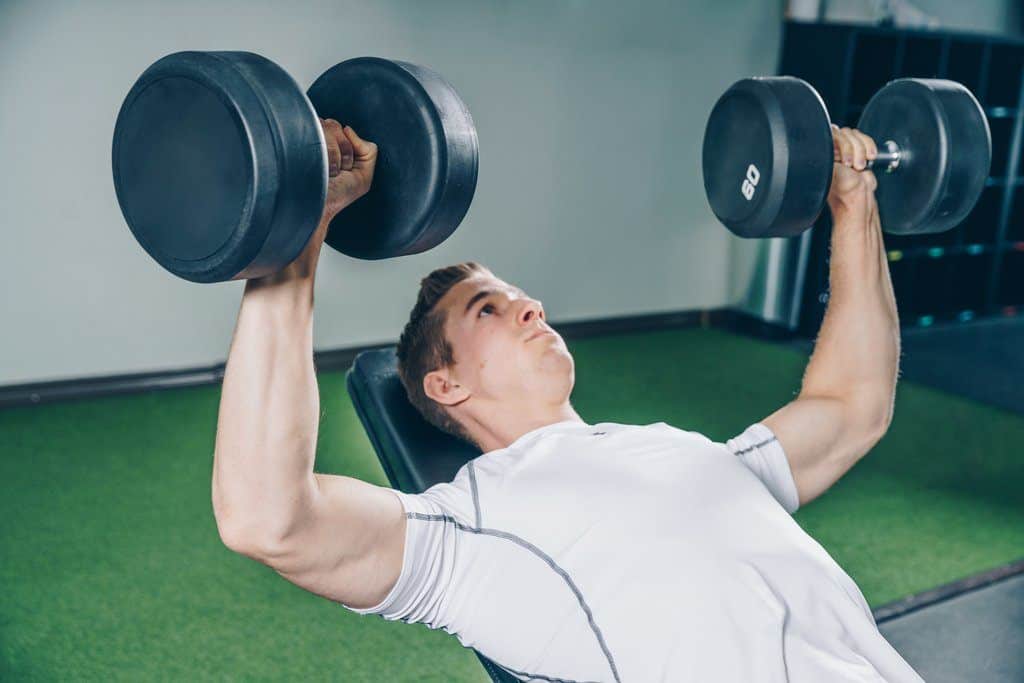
219,165
947,151
767,157
427,155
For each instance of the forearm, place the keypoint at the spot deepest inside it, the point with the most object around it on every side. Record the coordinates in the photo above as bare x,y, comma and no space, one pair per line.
269,409
857,352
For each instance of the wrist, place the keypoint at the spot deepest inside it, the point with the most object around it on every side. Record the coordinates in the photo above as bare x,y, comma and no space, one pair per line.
303,268
848,212
291,287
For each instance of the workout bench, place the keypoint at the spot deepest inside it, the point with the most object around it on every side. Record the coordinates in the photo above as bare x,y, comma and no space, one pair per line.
413,453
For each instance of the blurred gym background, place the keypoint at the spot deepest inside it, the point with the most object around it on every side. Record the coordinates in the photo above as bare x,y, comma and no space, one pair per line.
590,116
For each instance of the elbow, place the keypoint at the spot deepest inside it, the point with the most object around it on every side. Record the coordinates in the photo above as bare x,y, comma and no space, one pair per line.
252,542
250,526
874,433
232,527
872,419
247,534
234,536
881,417
884,422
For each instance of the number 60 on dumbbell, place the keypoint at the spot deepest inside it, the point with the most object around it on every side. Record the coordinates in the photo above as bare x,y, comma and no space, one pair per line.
768,155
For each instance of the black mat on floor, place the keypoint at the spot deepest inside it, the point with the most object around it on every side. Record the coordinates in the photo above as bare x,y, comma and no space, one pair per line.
982,360
977,636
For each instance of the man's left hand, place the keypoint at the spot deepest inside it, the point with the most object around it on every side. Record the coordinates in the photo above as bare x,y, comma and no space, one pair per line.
853,187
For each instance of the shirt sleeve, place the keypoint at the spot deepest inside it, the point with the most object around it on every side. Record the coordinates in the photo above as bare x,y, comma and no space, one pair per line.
421,593
760,451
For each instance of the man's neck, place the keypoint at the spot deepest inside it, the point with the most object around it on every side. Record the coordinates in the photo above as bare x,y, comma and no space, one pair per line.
510,425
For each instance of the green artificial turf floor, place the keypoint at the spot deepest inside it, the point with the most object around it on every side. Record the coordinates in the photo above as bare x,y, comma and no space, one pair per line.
112,568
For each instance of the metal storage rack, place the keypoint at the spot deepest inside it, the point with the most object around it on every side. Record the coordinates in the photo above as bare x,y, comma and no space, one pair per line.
976,269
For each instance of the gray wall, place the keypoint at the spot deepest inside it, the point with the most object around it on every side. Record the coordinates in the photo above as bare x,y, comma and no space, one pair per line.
590,117
988,16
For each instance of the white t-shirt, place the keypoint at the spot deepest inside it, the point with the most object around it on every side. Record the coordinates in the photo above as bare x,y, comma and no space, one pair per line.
614,552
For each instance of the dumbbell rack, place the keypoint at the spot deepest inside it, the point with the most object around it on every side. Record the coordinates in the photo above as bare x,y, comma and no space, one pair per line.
975,270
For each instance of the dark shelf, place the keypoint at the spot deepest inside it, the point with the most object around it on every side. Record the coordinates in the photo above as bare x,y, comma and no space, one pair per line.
1001,112
922,58
874,64
977,269
1010,291
1002,181
1002,130
1015,224
938,252
965,63
1003,84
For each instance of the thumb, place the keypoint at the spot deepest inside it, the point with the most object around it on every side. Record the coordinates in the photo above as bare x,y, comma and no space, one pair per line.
362,148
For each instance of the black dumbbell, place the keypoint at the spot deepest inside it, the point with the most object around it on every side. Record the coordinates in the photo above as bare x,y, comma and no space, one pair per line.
768,155
220,164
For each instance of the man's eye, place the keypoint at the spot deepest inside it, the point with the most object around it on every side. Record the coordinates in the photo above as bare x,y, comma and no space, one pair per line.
486,307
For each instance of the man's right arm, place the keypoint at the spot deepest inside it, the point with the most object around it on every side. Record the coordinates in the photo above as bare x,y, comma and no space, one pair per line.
336,536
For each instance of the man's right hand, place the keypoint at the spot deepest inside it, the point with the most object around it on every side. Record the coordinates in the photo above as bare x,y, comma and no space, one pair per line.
350,162
350,165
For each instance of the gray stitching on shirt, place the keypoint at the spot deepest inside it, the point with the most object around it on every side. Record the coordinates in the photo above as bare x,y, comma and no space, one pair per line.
542,555
755,446
476,497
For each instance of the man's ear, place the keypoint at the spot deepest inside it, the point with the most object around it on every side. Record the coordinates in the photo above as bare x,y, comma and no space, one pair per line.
442,387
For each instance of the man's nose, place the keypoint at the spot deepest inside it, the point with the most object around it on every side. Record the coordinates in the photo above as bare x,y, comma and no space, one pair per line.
529,311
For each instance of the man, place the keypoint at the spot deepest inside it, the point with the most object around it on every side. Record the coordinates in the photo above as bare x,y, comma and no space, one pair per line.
568,551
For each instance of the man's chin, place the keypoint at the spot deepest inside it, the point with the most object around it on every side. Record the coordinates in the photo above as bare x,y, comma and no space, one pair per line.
555,358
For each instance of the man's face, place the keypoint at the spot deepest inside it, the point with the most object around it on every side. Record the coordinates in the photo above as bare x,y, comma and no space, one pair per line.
504,350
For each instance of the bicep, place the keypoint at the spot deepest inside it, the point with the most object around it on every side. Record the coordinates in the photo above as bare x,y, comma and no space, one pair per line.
822,438
348,544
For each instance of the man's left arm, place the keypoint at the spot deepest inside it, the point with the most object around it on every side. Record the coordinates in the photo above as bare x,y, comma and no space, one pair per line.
845,404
